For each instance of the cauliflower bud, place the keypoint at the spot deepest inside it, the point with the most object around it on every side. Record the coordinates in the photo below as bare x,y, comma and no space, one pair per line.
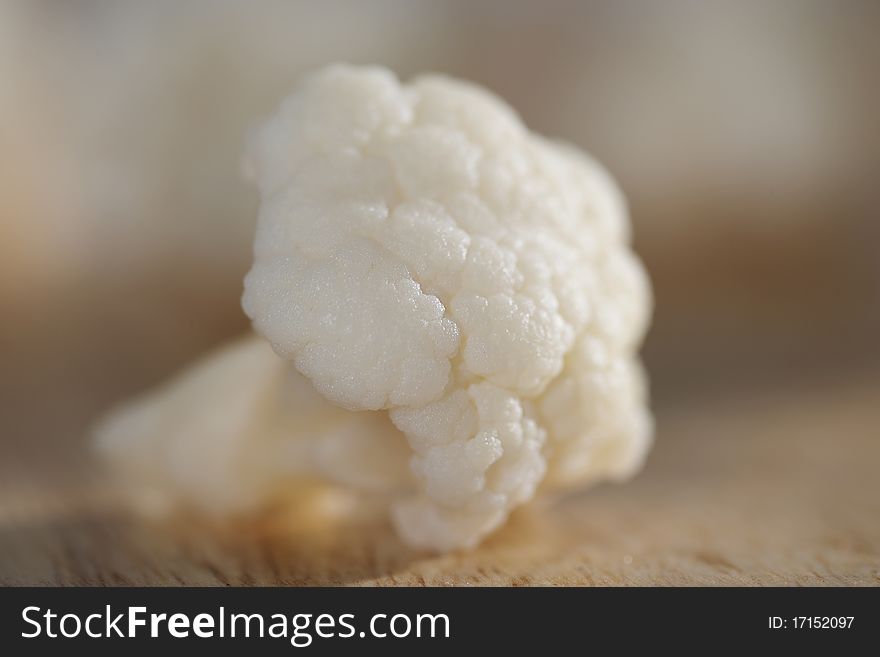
419,251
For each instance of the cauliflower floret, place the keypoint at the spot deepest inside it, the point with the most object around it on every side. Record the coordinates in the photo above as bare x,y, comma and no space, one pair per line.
239,429
419,251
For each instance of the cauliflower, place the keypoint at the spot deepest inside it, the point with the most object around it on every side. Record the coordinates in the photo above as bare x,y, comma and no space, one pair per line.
419,251
454,312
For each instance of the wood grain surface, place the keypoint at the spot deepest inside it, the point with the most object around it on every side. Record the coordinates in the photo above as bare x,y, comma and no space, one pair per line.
763,489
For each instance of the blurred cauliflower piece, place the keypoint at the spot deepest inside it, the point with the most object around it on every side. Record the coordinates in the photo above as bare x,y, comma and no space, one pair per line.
418,250
239,429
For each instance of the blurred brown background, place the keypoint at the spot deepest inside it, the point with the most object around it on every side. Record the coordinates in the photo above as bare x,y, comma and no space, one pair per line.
744,134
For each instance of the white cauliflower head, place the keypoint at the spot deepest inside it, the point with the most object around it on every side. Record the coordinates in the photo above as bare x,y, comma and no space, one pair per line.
419,250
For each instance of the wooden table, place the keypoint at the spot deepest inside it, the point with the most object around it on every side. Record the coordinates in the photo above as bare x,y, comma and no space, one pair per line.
769,488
